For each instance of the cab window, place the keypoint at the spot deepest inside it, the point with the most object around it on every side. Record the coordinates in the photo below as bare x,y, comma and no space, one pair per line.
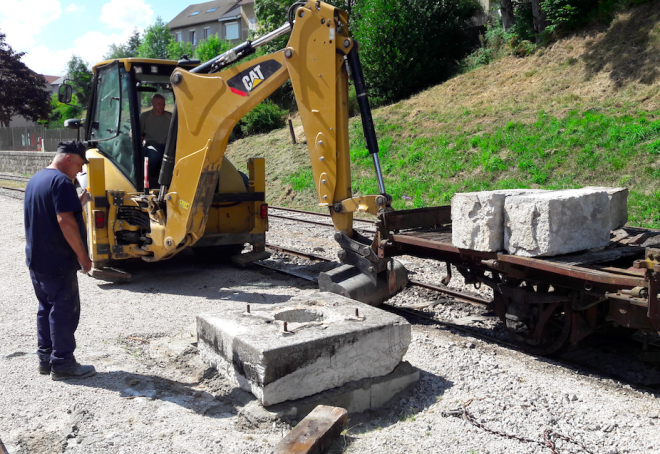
111,121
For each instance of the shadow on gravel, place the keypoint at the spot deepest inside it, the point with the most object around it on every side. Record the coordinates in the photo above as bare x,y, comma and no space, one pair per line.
184,275
215,403
402,408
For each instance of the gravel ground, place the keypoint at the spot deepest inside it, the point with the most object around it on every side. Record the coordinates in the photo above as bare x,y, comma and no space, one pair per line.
152,394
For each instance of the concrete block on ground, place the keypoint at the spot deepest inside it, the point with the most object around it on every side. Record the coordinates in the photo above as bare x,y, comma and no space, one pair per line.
315,433
325,345
355,396
556,222
478,218
618,205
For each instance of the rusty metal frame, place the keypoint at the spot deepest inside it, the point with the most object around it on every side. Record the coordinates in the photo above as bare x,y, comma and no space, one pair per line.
607,288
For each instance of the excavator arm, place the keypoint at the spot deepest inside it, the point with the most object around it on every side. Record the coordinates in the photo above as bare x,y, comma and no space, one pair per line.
210,101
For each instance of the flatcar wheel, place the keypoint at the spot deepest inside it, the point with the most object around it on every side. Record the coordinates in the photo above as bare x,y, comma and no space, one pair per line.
548,333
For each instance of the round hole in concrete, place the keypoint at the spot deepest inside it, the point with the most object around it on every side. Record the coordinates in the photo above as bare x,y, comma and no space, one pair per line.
299,316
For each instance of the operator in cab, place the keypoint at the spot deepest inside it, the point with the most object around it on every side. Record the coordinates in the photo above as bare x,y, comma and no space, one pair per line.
155,124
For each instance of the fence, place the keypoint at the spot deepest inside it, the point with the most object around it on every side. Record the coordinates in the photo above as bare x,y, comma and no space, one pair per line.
28,138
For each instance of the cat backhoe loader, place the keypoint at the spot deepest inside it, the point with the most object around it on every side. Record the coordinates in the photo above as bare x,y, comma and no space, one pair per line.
200,200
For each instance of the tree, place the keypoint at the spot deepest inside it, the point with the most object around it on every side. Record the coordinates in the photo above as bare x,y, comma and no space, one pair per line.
508,19
125,50
133,43
22,91
155,41
211,47
408,45
176,50
61,112
272,14
80,78
539,19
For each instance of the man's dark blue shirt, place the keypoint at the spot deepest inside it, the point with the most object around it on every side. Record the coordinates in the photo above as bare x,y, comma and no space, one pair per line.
48,193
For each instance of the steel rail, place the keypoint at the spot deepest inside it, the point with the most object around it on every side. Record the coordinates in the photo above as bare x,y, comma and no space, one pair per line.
367,221
301,254
453,293
10,177
12,189
456,294
323,224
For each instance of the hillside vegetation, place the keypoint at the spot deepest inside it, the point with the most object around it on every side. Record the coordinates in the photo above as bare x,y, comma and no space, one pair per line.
583,111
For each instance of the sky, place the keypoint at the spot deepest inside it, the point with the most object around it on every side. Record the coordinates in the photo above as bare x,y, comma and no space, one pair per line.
51,31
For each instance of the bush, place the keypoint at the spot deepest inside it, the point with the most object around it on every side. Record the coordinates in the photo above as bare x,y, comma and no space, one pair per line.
409,45
211,47
262,119
495,43
61,112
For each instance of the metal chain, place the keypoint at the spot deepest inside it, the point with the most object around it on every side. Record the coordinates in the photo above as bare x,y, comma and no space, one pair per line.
547,434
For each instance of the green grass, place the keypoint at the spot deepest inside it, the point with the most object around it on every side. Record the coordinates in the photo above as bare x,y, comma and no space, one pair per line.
603,147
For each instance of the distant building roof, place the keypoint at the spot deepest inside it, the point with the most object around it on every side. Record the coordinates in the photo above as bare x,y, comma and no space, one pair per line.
50,79
201,13
245,2
233,13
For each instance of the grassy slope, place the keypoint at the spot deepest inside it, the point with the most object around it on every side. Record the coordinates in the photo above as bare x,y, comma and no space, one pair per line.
584,111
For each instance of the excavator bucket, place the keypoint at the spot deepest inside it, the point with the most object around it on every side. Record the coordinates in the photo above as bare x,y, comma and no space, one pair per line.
349,281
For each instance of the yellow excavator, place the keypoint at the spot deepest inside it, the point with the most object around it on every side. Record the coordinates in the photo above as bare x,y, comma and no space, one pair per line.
200,199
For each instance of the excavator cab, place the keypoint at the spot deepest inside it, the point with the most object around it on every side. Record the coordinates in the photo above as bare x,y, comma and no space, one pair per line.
123,92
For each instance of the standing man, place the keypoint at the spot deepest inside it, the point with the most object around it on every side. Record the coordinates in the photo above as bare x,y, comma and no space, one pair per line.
154,125
55,250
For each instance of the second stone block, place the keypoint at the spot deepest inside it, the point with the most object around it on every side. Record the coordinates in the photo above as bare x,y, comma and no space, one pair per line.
556,222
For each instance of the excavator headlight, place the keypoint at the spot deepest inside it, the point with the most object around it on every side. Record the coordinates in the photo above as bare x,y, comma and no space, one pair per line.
263,211
99,219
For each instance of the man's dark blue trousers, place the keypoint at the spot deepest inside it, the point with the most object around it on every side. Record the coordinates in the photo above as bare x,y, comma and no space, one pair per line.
57,317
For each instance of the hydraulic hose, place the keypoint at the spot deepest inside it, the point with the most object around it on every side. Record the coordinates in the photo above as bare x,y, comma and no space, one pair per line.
365,112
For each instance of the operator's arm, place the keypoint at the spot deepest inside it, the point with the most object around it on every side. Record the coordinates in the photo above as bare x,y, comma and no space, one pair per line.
143,124
70,230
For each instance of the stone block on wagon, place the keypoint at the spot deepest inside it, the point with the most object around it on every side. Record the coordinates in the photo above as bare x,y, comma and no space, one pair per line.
301,347
557,222
478,218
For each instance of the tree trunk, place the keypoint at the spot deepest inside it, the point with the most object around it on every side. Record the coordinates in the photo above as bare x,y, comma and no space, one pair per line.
506,10
539,19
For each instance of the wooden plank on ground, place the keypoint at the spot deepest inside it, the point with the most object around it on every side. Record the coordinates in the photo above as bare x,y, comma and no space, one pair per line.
315,433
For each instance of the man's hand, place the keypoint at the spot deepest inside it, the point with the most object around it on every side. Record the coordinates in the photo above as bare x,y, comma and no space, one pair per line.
85,263
69,228
85,197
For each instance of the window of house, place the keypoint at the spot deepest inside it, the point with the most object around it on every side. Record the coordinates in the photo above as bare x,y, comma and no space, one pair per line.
212,9
193,38
231,30
178,37
207,32
252,23
195,13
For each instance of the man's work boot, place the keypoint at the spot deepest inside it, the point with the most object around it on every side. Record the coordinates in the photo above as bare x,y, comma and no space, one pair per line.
44,368
74,371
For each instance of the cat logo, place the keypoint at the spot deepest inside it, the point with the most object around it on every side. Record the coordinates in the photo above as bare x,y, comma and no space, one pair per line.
246,81
254,79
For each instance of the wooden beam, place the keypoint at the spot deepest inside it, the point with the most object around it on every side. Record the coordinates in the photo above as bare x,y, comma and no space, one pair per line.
315,433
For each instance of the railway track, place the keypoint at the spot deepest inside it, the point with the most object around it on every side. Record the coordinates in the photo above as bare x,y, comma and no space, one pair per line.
12,193
313,213
12,177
